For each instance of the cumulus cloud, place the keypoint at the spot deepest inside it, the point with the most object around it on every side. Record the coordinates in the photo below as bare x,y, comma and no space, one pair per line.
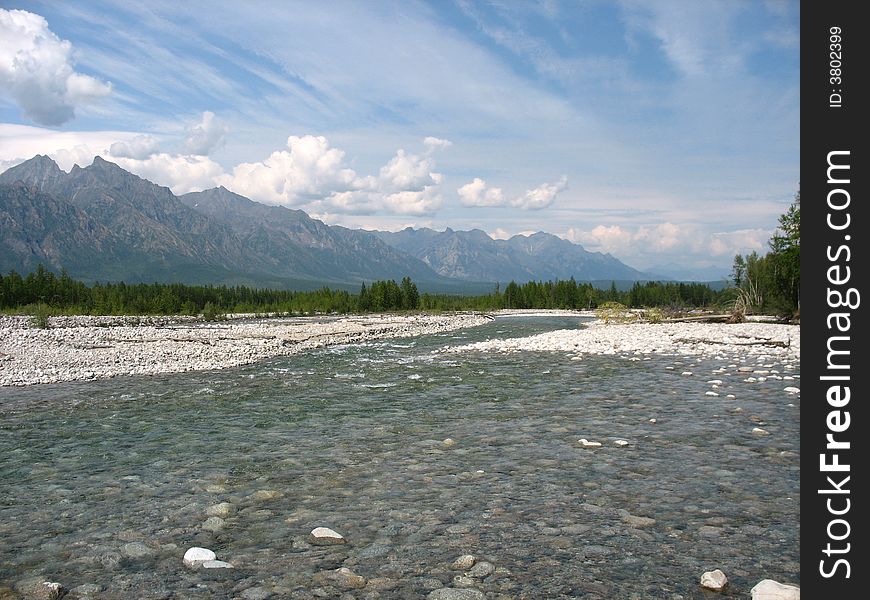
434,143
36,70
140,147
669,241
205,136
478,193
541,196
180,173
313,174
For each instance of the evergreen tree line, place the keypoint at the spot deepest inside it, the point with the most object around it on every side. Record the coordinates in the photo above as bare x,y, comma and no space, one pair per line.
64,295
770,284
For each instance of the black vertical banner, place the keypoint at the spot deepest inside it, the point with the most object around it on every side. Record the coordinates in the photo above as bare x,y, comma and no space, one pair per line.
835,423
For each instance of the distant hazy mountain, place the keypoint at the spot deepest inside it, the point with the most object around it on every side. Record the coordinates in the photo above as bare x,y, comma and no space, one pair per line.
683,273
102,222
473,255
291,239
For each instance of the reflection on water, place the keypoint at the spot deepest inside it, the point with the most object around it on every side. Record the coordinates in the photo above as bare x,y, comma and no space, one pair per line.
108,483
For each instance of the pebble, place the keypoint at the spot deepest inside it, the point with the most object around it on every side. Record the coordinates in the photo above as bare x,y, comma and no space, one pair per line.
714,580
264,495
621,443
639,522
587,444
448,442
653,421
347,579
324,536
768,589
136,550
222,510
760,431
256,593
464,562
481,570
792,390
216,564
711,394
213,524
196,556
456,594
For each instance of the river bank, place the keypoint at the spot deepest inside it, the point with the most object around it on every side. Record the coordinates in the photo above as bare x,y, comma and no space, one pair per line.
86,348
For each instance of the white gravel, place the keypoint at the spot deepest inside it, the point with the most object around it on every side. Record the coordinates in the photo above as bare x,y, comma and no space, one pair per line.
76,348
710,340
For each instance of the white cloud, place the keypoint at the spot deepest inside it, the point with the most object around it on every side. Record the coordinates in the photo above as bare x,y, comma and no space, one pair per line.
36,70
205,136
408,172
179,173
477,193
434,143
308,170
669,242
140,147
541,196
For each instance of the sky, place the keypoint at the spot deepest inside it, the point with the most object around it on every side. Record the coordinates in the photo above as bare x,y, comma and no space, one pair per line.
665,132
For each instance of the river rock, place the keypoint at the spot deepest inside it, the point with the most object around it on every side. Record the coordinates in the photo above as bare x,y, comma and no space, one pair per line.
195,556
324,536
464,562
792,390
86,590
216,564
263,495
587,444
768,589
760,431
481,570
221,510
621,443
639,522
41,590
347,579
714,580
456,594
213,524
136,550
256,593
448,442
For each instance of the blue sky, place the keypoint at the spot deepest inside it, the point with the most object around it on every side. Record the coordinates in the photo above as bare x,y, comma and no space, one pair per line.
662,132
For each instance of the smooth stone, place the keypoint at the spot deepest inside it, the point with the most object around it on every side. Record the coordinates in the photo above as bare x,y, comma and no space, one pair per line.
768,589
714,580
686,373
621,443
216,564
759,431
639,522
196,555
466,561
87,589
711,394
324,536
347,579
481,570
587,444
448,442
222,510
792,390
464,581
653,421
136,550
256,593
213,524
41,590
263,495
456,594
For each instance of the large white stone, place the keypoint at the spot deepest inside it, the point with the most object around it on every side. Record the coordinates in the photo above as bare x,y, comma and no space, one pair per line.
768,589
714,580
324,536
195,556
587,444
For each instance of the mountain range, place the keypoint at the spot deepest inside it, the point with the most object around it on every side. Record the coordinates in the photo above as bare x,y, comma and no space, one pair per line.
102,223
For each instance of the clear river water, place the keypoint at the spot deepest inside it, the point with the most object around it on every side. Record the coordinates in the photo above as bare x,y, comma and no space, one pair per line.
105,484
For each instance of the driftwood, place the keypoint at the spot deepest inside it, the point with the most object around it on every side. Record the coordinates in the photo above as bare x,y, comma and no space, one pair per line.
700,319
772,343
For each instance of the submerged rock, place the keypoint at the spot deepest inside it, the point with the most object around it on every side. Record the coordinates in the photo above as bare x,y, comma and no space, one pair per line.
464,562
481,570
714,580
216,564
456,594
324,536
136,550
768,589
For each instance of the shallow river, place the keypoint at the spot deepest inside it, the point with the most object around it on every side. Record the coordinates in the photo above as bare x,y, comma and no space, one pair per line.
106,484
